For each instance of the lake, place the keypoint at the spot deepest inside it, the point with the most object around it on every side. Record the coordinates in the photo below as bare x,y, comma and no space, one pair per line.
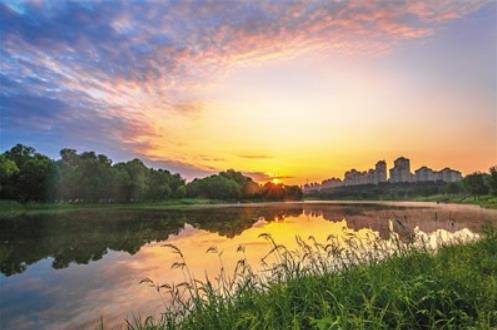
69,269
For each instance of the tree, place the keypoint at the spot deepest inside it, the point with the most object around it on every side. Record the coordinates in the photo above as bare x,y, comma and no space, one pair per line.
251,190
453,188
272,191
134,186
8,170
293,193
20,154
491,180
180,192
158,187
27,175
35,177
475,184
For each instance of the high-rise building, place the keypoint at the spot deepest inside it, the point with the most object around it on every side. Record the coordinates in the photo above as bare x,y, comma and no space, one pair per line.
401,171
450,175
425,174
380,172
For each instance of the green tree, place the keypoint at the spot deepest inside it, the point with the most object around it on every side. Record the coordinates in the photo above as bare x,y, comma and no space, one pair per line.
36,176
137,185
180,192
20,154
491,180
475,184
453,188
158,185
8,171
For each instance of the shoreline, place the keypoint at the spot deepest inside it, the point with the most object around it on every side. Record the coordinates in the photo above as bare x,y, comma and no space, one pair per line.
11,208
452,288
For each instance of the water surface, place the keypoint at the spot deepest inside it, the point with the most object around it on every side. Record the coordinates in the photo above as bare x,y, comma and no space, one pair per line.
67,270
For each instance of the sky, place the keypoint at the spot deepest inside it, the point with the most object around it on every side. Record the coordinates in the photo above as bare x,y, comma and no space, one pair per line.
300,91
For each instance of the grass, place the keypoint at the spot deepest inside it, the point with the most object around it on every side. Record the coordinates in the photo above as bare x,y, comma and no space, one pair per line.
372,285
487,201
11,208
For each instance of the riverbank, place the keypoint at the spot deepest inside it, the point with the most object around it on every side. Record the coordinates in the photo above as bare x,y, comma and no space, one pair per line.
454,288
486,201
483,201
12,208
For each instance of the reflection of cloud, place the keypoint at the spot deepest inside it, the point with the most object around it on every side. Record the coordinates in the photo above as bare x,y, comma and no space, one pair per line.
116,68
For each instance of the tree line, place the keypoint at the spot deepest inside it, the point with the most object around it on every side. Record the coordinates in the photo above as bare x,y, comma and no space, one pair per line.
26,175
478,184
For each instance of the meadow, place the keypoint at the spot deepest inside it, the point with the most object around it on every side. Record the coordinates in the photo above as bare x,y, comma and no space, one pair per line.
373,285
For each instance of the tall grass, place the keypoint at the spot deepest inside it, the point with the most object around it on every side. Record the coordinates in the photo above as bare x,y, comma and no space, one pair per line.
343,283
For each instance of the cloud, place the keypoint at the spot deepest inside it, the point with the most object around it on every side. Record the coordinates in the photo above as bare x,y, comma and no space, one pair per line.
109,72
255,156
263,176
189,171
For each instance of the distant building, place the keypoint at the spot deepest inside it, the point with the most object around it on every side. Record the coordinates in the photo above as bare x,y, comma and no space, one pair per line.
331,183
450,175
371,176
425,174
380,172
325,184
401,171
311,187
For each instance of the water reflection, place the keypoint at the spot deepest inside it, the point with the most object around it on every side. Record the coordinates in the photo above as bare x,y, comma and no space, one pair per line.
68,269
83,237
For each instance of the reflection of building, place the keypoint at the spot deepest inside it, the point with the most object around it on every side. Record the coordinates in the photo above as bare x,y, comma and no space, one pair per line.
401,171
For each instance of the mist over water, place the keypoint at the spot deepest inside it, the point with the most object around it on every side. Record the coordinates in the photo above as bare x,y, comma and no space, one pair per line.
69,269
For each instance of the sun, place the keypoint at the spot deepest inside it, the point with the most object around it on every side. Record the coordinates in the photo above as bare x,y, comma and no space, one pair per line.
276,181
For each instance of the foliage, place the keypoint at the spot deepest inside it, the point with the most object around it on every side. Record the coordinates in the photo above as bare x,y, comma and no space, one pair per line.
411,288
26,175
382,191
453,188
234,185
475,184
86,177
491,180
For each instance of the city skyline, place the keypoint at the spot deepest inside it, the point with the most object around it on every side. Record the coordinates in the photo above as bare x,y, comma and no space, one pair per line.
400,172
291,92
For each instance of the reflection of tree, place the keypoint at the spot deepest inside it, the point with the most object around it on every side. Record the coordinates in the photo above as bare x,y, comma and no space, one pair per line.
231,222
85,236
